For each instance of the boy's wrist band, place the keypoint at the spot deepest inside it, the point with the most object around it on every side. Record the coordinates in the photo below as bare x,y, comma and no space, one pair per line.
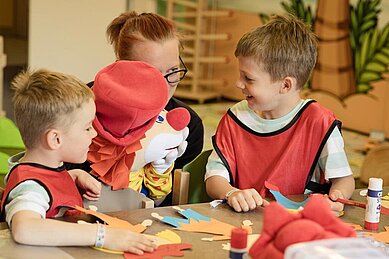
230,193
100,235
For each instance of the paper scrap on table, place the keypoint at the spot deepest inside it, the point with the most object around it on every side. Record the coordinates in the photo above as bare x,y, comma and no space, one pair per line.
199,223
281,199
112,221
380,236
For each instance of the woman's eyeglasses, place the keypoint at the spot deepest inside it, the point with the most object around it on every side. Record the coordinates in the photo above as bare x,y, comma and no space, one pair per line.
178,75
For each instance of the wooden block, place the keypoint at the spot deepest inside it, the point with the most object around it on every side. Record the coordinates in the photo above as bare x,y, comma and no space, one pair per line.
180,187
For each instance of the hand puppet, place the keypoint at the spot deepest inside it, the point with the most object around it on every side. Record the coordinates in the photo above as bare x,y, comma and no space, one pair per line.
137,140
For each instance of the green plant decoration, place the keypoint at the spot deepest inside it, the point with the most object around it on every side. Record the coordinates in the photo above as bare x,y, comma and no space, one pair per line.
370,45
300,10
295,7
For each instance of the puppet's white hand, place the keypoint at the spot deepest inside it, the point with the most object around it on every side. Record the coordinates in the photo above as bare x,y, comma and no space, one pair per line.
181,148
161,165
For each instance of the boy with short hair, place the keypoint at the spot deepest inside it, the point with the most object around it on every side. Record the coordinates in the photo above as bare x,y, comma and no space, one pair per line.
54,113
274,135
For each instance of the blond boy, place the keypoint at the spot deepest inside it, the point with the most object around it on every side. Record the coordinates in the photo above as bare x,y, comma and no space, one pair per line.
54,113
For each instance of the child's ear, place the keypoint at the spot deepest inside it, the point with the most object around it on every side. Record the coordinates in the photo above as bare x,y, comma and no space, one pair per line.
53,138
289,83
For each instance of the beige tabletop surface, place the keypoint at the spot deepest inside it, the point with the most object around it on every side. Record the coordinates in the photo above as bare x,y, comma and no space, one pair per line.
201,249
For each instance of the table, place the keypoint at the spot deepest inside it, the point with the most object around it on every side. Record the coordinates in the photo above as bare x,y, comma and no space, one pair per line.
201,249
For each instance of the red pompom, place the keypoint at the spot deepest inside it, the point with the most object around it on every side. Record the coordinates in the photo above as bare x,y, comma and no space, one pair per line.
178,118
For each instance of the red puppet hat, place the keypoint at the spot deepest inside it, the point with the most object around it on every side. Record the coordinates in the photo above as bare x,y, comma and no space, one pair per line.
129,96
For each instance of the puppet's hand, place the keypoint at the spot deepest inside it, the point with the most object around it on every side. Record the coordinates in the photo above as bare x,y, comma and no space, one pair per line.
181,148
161,165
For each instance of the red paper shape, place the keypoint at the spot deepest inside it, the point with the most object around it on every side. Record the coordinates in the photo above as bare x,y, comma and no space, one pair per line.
161,251
282,228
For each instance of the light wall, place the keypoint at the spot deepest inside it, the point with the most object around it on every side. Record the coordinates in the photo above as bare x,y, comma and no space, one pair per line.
69,36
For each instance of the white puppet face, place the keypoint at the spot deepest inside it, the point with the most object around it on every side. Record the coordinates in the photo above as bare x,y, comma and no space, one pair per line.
159,141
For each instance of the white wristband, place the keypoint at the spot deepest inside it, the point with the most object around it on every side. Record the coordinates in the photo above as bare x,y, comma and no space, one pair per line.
100,235
230,193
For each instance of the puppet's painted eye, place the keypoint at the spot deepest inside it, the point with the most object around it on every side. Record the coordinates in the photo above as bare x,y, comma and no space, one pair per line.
160,119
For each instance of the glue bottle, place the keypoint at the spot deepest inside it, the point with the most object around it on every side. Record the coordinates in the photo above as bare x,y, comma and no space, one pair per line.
373,206
238,248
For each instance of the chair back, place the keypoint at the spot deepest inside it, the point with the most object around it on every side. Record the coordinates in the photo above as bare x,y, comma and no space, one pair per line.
189,185
3,167
123,199
376,164
10,140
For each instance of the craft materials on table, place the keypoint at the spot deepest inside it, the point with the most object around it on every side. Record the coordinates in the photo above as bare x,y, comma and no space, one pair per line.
281,228
196,222
115,222
384,210
281,199
373,207
168,241
238,243
191,214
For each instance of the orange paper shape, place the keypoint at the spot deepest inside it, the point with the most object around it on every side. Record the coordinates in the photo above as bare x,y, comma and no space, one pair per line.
161,251
380,236
212,227
355,226
249,229
218,238
114,222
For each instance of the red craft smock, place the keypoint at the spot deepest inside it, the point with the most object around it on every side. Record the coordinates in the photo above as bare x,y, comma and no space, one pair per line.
58,183
286,158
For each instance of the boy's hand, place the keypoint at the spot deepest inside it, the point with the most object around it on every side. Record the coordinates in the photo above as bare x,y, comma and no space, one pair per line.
336,207
245,200
88,183
128,241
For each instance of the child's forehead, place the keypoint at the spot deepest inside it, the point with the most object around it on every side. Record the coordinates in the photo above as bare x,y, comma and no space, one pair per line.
83,114
250,63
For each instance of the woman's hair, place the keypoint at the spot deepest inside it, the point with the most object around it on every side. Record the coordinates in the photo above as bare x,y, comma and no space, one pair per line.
130,27
284,46
44,99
